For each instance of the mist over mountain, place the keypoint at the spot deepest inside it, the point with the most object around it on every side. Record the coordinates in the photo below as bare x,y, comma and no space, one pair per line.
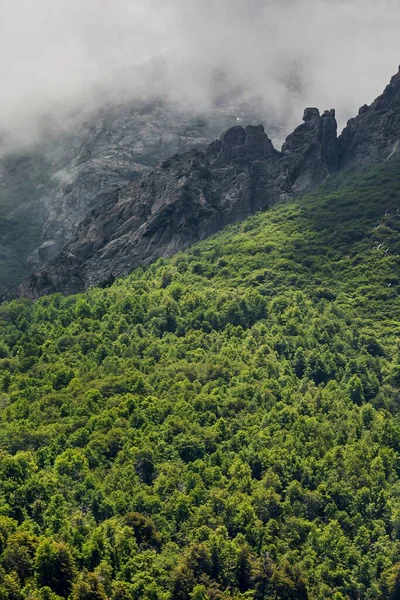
96,94
59,60
195,194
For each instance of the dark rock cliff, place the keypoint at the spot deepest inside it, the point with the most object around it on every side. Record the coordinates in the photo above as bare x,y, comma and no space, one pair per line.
194,195
311,153
50,187
375,132
188,198
106,153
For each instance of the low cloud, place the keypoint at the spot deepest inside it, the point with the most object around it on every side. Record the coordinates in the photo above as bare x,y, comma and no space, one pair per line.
59,57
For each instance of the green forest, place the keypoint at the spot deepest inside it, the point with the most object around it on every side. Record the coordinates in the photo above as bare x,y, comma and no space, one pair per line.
221,425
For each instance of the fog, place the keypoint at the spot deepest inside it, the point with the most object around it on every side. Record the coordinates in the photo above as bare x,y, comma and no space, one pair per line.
59,57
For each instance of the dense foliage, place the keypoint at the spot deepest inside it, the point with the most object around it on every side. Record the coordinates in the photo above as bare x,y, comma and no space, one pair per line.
223,425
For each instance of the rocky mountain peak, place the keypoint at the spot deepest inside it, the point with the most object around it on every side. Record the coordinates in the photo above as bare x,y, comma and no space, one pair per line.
310,153
187,198
241,143
193,195
375,133
311,113
48,190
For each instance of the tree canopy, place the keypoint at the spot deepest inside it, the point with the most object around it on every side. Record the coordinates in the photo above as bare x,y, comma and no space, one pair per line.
221,425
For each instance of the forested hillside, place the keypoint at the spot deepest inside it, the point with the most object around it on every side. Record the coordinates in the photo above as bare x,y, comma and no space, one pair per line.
222,425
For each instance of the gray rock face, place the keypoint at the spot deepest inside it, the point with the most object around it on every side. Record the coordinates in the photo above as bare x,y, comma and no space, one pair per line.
184,200
375,133
19,216
310,153
115,147
56,184
193,195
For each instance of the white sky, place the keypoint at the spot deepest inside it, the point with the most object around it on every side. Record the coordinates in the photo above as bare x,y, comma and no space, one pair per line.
54,54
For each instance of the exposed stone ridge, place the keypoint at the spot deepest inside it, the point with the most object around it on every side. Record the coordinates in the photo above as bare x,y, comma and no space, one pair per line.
71,170
375,133
310,153
186,199
194,195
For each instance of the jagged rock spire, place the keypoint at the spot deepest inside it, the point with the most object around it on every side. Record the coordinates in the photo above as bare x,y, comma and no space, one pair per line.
375,132
310,153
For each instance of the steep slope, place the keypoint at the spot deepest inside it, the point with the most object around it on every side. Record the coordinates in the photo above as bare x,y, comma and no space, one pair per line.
116,146
375,133
74,169
188,198
195,195
20,218
223,424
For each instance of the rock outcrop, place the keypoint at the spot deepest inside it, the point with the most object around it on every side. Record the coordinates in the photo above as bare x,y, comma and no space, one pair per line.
52,187
106,153
310,153
193,195
375,133
184,200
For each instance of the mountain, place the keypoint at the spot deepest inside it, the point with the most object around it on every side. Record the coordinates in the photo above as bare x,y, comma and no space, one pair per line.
222,424
191,196
375,132
46,191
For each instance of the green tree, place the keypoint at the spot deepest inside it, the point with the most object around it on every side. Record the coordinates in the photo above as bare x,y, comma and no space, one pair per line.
89,587
54,567
355,390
